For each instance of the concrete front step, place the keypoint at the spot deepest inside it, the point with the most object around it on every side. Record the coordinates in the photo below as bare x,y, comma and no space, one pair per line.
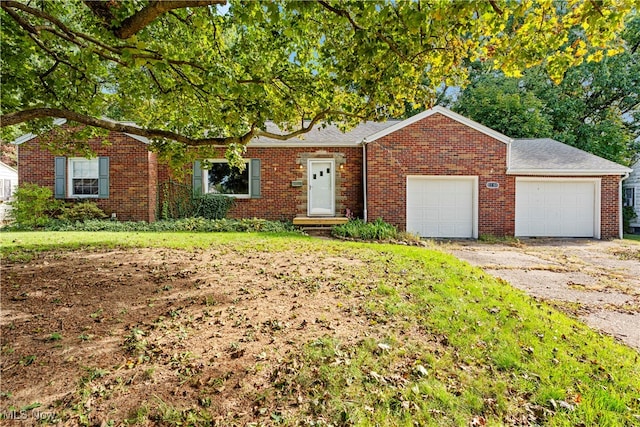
318,221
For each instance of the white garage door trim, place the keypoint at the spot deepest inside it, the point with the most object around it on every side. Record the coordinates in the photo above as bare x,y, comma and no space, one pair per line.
474,202
596,199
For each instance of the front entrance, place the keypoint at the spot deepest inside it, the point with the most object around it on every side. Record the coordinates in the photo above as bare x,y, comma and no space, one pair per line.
321,179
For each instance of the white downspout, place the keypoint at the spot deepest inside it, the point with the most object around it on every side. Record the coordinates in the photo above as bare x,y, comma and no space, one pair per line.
620,218
364,179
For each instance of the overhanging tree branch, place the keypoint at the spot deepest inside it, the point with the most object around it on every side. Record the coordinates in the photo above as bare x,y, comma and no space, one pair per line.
39,113
340,12
77,37
18,117
145,16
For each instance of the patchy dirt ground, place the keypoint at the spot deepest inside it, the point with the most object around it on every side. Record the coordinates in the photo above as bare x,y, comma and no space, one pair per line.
598,281
210,328
158,312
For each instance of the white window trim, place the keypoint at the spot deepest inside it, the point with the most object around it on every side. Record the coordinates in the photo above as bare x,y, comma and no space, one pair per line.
205,179
69,177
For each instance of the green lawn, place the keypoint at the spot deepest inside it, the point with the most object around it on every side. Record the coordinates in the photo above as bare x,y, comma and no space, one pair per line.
635,237
443,343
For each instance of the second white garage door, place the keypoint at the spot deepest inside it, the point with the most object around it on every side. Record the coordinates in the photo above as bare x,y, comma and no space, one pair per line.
442,206
556,208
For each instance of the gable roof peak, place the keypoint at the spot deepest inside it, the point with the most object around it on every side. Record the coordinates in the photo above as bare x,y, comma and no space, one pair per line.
445,112
60,121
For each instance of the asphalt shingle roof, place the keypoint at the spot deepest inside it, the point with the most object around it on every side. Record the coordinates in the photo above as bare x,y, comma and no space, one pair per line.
327,135
546,154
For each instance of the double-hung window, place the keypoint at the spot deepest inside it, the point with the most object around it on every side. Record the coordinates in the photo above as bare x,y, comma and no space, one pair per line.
83,177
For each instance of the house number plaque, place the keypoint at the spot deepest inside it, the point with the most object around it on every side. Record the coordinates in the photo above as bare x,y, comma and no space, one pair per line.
493,184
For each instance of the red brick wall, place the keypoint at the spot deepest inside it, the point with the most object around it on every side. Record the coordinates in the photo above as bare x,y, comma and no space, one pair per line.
129,184
438,145
610,207
280,166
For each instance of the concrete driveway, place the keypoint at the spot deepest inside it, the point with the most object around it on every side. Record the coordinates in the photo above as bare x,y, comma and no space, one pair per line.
598,281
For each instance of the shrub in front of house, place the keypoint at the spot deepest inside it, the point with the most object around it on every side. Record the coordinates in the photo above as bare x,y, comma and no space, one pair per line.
83,211
214,206
33,206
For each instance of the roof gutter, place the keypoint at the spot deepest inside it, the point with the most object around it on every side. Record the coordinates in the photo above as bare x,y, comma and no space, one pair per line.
364,179
565,172
621,207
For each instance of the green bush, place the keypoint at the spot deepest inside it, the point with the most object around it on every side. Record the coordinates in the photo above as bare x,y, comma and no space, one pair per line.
358,229
628,214
214,206
177,201
83,211
33,206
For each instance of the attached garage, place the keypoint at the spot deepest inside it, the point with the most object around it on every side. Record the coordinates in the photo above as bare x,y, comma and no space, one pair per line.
438,174
442,206
557,207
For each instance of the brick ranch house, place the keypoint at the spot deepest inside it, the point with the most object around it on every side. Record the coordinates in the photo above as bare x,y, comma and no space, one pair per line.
437,174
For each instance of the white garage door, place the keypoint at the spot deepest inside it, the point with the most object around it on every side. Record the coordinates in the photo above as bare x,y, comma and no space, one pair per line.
556,208
441,206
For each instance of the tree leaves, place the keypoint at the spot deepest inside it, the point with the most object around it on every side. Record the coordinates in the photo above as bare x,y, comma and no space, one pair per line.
193,71
596,107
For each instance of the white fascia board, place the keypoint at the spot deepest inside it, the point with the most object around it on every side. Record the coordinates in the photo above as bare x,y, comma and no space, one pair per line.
566,172
142,139
9,168
445,112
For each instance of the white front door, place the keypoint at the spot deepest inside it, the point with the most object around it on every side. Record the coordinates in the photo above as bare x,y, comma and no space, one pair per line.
321,187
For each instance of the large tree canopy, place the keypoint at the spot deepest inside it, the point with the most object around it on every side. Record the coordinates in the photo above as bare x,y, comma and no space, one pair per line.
189,74
596,107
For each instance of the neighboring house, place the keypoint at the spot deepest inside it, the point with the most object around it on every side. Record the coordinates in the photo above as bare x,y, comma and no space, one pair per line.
437,174
631,194
8,183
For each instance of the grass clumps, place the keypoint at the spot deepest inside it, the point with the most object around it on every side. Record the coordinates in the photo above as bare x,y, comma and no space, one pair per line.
378,230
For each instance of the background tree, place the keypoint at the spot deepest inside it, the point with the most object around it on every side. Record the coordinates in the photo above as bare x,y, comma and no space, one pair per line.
190,75
596,107
8,154
504,104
